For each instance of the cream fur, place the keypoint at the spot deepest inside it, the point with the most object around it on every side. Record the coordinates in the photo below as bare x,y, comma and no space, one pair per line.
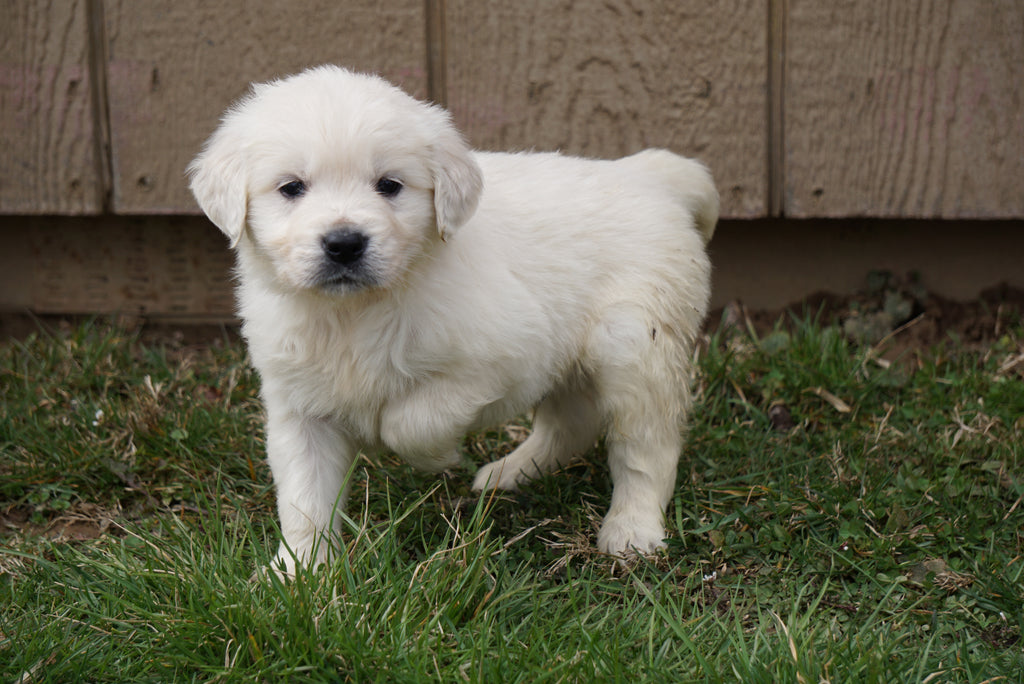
490,284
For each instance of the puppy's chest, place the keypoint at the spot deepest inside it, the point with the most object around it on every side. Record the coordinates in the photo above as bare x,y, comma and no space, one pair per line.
340,376
340,379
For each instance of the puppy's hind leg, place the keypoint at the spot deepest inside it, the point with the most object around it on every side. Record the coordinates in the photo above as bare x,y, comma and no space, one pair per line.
642,384
565,424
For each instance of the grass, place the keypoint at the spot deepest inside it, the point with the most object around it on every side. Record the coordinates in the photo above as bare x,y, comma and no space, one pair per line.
837,518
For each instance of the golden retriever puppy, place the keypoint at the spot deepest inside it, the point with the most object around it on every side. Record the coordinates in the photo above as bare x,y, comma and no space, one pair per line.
399,289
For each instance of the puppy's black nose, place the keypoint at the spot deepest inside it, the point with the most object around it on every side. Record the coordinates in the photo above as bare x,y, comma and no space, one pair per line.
344,246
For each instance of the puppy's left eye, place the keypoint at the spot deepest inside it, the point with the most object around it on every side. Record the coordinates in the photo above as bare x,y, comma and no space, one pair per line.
293,189
388,187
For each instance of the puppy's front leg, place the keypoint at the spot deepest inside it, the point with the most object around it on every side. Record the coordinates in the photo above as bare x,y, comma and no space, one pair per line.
310,459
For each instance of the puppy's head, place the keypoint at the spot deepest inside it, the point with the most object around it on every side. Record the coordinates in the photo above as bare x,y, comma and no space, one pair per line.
340,180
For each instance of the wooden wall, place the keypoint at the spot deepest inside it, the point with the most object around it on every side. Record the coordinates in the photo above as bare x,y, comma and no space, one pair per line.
904,108
907,109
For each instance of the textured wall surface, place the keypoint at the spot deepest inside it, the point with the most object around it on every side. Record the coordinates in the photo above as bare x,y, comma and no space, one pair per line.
904,109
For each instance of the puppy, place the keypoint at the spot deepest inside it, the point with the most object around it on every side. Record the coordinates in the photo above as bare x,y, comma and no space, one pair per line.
398,290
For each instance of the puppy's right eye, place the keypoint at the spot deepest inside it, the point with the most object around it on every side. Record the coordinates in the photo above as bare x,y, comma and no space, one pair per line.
388,187
293,189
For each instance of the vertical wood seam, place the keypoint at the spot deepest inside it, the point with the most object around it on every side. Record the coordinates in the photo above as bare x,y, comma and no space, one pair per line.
437,52
97,47
778,11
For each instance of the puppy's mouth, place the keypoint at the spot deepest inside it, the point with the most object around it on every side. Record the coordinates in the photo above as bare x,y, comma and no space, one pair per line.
329,279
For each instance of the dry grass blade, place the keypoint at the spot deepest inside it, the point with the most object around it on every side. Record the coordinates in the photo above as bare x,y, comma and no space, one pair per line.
792,645
1010,364
834,401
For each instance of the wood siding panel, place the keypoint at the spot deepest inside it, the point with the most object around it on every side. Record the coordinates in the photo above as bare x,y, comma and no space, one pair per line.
609,79
174,67
48,148
152,265
908,108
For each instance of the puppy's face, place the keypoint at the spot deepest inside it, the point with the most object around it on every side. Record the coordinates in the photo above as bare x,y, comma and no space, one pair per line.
339,207
338,180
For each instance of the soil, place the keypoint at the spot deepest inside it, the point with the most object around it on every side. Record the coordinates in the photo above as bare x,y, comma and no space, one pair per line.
887,308
896,311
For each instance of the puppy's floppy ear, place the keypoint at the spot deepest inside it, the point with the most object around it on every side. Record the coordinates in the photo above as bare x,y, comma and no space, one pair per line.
219,183
458,180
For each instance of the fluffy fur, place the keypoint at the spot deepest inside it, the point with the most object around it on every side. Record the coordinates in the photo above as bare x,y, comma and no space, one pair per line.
485,285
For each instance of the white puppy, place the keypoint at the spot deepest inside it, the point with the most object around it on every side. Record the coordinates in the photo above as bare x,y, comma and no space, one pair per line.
398,289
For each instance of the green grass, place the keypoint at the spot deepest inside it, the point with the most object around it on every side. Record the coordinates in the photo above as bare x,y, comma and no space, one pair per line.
877,535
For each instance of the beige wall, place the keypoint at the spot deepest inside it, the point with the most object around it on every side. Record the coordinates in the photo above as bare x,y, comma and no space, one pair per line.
904,109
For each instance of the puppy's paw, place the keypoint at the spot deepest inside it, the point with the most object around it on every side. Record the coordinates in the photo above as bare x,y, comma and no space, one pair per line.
287,562
624,537
501,474
282,567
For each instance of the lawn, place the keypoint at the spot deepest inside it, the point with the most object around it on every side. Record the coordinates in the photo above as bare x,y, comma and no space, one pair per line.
843,513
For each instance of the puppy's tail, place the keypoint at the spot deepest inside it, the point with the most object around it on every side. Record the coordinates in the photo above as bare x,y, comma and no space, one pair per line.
692,183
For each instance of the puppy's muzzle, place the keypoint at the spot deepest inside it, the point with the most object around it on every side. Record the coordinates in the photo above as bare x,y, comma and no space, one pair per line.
346,262
345,246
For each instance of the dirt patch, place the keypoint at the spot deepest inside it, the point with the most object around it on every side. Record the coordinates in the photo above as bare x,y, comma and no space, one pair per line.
895,310
82,521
